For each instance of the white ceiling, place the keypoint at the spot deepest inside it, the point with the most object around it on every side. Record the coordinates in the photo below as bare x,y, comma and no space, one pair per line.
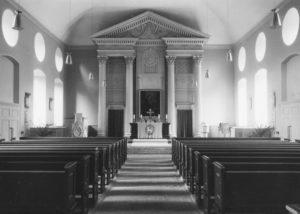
73,21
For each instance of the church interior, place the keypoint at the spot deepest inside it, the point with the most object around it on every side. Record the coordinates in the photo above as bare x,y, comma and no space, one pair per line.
149,105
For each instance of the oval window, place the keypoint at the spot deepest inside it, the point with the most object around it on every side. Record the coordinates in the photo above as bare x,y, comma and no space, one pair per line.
39,47
58,59
242,58
290,26
260,46
11,36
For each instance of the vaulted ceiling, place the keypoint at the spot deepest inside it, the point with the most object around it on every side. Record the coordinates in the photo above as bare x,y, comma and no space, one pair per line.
73,21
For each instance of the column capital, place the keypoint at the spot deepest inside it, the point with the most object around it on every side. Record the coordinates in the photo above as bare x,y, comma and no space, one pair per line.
129,59
170,59
102,59
197,59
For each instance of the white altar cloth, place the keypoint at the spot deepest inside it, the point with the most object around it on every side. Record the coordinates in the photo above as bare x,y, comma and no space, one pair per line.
149,129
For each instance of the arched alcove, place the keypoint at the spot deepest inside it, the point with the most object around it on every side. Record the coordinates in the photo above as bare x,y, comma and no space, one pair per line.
9,80
290,78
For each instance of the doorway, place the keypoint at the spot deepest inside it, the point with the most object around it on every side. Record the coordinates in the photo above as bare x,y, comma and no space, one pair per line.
184,123
115,123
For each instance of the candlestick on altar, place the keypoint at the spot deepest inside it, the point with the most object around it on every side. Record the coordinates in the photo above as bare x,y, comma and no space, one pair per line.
166,117
133,118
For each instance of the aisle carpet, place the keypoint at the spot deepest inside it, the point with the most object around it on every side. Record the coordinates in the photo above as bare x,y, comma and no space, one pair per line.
148,183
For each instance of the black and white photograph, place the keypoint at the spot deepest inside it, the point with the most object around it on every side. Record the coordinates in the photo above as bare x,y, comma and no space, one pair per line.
149,107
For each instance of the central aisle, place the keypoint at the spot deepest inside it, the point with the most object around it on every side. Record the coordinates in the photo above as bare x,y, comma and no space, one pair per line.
147,183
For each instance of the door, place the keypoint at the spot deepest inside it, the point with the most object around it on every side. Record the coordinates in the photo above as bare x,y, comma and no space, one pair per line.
184,123
115,123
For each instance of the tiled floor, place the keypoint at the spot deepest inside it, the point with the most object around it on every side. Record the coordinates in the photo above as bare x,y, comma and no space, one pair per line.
147,183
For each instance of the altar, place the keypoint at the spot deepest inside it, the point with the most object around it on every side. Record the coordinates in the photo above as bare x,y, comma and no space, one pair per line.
149,129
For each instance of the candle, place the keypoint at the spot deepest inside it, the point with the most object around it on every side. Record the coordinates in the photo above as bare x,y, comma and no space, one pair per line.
166,116
141,116
134,116
158,116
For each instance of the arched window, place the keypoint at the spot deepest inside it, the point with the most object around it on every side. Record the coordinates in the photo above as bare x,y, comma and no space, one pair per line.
242,102
260,97
58,102
39,98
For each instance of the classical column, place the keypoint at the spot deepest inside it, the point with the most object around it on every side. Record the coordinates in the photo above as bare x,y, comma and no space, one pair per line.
197,72
129,94
102,114
171,95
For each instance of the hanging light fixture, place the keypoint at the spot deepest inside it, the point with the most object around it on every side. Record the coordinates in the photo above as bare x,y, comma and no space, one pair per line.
69,60
276,20
17,24
229,57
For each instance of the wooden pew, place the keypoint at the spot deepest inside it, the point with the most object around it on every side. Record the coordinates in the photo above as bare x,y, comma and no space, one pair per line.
121,141
116,154
255,187
93,152
82,171
106,150
177,142
235,150
208,172
180,146
187,159
17,181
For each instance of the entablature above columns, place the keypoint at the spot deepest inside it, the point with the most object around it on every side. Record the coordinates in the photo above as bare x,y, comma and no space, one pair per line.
115,47
184,47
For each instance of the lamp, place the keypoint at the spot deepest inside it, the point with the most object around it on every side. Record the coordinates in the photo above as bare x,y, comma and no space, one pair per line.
276,20
17,24
229,57
69,60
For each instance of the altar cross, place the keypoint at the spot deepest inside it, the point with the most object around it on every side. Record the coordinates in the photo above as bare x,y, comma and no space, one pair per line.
150,112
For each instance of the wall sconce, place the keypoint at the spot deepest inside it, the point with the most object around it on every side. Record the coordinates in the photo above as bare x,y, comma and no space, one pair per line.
274,99
91,76
50,104
69,60
207,74
27,99
229,57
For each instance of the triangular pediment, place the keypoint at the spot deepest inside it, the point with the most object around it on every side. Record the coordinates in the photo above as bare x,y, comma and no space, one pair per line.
149,25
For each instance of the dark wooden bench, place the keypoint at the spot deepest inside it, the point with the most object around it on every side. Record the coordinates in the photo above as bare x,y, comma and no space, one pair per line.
110,159
82,171
116,154
122,142
196,169
187,160
93,152
255,187
177,142
208,172
35,189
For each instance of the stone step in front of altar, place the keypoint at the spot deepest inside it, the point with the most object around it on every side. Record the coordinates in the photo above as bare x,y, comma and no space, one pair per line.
151,142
